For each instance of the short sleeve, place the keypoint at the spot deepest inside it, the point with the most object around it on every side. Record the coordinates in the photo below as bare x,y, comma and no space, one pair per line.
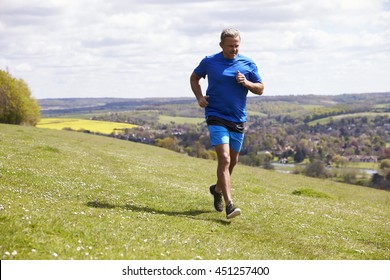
201,70
254,75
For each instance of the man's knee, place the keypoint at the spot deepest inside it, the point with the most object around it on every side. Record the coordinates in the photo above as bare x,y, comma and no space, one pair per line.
224,158
224,161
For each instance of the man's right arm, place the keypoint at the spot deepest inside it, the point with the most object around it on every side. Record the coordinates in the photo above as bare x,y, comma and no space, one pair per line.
197,90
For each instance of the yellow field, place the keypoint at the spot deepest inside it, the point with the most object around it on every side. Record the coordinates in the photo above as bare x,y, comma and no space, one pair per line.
80,124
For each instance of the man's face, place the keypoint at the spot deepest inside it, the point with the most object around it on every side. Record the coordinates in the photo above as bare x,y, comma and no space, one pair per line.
230,47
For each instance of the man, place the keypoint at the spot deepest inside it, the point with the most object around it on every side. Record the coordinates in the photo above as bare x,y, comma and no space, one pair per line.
230,76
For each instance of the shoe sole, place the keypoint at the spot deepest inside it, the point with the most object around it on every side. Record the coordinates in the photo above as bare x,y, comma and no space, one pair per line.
235,213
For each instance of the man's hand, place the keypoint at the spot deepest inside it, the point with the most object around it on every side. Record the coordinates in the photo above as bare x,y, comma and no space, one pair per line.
240,78
203,101
195,86
256,88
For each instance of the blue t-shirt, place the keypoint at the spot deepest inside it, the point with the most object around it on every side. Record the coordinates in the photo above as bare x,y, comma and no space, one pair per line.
226,97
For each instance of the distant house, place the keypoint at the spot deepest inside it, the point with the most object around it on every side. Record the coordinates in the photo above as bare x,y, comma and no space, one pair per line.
283,160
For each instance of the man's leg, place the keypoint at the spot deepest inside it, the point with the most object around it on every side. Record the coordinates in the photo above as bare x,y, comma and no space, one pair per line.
233,160
227,158
223,171
227,146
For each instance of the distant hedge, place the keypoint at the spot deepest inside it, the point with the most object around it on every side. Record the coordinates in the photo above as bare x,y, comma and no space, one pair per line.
16,104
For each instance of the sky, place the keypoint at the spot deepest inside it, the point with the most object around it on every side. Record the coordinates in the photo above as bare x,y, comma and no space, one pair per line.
149,48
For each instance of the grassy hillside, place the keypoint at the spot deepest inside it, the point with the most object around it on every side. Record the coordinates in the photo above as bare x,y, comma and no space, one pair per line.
69,195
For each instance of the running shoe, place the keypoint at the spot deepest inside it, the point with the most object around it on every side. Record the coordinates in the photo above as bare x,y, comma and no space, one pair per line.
232,211
218,202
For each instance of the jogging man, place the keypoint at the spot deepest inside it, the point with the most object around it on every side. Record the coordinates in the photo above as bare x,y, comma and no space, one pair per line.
230,76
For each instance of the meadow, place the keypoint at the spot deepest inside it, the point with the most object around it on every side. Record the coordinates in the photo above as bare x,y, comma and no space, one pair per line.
83,124
69,195
339,117
164,119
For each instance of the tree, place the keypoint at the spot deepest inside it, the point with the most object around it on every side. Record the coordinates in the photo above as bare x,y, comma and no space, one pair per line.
299,155
385,168
169,143
316,169
16,104
385,164
339,160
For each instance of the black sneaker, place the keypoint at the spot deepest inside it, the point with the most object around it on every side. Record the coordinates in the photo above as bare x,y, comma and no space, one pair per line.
218,203
232,211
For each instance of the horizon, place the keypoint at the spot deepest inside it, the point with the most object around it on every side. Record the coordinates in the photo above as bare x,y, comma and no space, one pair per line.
193,97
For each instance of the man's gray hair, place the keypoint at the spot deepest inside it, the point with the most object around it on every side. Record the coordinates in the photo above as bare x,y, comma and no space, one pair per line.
230,32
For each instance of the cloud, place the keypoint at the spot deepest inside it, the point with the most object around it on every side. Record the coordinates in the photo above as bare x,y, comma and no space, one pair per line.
97,48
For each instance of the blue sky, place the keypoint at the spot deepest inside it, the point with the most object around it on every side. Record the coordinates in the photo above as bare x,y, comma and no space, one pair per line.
148,48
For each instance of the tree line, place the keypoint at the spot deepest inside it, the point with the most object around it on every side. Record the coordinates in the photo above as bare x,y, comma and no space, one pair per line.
17,106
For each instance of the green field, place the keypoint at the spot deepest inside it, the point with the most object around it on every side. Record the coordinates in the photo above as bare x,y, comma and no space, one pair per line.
83,124
339,117
254,113
69,195
179,120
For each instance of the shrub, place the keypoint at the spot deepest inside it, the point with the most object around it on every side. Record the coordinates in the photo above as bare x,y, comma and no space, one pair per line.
385,164
16,104
316,169
349,176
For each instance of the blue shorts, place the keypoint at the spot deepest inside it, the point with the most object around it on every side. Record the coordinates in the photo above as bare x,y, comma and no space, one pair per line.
221,135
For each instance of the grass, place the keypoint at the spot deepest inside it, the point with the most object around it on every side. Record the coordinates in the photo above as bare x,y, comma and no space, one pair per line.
362,165
339,117
164,119
68,195
256,113
83,124
310,193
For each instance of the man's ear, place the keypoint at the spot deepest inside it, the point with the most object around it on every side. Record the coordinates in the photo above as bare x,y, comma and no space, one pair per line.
220,44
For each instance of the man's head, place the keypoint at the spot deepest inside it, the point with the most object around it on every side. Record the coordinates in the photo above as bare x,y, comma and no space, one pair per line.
230,43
